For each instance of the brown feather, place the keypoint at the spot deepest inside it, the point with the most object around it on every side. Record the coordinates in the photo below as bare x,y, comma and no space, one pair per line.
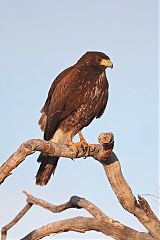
77,96
46,169
42,121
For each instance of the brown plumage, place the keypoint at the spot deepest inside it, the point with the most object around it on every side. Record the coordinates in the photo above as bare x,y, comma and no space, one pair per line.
77,96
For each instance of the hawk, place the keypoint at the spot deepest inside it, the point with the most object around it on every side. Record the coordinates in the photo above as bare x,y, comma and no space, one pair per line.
77,96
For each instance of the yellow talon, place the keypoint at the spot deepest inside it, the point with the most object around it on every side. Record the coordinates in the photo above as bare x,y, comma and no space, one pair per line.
86,147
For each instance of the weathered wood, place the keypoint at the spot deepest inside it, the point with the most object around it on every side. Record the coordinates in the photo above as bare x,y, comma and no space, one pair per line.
14,221
98,152
84,224
140,209
99,221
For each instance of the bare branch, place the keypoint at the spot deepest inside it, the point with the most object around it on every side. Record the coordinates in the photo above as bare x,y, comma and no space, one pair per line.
99,221
83,224
151,195
14,221
140,209
74,202
77,224
103,223
100,152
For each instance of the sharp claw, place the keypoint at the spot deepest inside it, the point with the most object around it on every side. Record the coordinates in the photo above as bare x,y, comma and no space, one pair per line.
87,148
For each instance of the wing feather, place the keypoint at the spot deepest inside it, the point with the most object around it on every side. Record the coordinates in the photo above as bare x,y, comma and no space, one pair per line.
67,94
102,103
62,99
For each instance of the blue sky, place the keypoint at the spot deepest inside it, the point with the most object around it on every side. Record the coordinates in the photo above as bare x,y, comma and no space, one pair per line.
38,40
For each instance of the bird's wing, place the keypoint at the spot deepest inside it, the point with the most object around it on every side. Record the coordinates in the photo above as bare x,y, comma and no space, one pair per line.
58,79
62,100
102,103
45,109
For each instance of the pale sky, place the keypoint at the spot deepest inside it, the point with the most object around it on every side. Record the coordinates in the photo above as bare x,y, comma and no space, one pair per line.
38,39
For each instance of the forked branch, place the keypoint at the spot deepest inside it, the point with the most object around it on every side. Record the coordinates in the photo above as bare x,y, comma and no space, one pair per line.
98,220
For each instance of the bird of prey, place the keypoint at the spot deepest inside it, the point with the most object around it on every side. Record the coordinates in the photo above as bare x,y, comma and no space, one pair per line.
77,96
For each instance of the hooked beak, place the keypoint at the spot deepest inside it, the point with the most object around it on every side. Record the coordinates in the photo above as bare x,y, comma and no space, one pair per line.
106,63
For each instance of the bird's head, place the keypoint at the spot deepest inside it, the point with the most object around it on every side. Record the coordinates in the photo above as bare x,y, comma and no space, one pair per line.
96,59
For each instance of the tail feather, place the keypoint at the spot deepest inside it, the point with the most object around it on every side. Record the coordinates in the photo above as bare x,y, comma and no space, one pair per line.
46,169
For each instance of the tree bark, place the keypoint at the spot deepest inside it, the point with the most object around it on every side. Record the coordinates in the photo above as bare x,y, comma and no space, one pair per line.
98,221
98,151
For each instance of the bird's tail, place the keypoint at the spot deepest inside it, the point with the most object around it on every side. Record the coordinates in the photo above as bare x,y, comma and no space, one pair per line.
46,169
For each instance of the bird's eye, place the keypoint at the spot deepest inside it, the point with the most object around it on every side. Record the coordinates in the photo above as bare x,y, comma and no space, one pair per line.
99,59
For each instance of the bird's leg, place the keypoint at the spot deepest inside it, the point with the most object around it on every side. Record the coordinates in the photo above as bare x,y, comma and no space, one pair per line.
84,144
86,147
81,138
72,144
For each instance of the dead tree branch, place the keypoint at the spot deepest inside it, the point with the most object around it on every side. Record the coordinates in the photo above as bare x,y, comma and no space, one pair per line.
99,221
99,152
14,221
140,208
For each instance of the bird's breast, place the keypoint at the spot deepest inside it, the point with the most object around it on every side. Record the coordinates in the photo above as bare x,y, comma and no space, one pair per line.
95,89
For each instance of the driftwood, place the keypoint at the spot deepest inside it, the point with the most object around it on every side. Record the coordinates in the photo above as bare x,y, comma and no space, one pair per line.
98,221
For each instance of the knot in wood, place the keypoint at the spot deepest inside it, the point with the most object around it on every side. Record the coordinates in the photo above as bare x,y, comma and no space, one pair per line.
75,200
106,139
